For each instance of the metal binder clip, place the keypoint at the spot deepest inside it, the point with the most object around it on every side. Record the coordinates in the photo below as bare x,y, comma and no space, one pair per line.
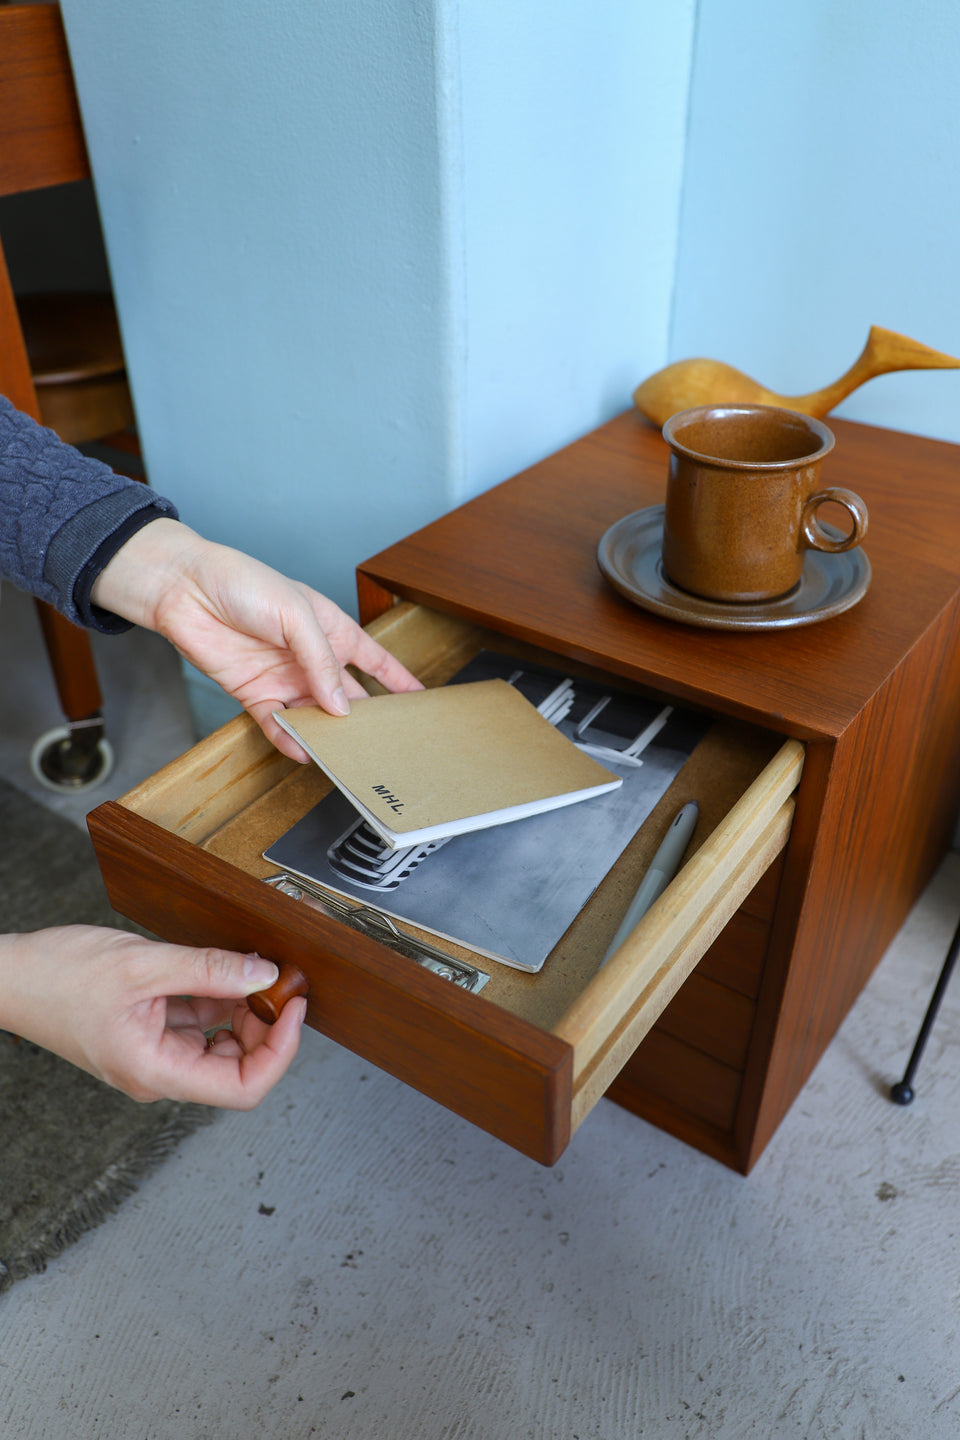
380,927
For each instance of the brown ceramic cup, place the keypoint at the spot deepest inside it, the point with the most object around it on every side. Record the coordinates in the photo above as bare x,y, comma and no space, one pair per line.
742,501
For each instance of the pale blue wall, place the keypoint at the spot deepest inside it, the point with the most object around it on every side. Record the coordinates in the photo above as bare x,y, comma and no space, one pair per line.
373,255
572,121
269,179
822,195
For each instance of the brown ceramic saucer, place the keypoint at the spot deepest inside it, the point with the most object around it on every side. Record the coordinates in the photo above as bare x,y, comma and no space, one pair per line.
629,556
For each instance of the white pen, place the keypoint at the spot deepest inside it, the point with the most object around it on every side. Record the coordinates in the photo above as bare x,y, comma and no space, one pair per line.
663,867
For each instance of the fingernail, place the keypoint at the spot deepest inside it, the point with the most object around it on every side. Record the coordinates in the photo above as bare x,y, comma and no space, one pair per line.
259,974
340,702
301,1002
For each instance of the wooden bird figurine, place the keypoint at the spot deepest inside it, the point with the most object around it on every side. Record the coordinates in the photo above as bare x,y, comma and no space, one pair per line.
686,383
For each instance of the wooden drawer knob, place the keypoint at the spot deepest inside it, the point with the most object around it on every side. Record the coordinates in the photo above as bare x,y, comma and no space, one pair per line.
267,1004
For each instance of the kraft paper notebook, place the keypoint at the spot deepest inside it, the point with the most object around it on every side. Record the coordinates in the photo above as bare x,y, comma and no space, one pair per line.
429,764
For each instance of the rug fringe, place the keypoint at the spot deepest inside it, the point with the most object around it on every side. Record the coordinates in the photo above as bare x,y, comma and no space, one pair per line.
103,1199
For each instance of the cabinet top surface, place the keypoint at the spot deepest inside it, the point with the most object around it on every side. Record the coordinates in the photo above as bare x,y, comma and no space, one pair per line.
522,558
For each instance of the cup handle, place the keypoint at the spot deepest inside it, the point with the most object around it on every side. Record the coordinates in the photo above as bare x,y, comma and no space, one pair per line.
818,538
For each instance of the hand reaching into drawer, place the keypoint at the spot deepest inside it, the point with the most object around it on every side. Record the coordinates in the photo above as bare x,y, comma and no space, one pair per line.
114,1004
270,642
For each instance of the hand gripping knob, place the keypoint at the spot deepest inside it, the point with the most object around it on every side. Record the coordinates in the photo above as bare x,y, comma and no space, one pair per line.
267,1004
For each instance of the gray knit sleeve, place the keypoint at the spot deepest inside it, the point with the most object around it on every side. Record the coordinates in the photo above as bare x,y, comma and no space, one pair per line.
63,516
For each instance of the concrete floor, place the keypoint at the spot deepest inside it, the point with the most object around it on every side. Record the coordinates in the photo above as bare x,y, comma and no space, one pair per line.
352,1261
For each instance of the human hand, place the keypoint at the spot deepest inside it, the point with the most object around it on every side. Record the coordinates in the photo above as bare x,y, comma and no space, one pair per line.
270,642
113,1004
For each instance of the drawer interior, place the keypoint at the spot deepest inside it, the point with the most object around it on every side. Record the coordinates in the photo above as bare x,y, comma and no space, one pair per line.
724,764
233,795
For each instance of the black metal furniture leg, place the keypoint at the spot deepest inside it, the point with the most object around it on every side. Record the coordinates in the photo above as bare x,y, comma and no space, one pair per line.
902,1092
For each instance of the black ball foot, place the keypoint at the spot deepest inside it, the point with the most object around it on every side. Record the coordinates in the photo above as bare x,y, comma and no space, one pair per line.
901,1093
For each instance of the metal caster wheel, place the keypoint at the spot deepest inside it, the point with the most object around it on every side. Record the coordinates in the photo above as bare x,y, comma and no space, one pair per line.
72,757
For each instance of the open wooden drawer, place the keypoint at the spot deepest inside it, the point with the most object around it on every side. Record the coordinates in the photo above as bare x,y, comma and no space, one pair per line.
529,1057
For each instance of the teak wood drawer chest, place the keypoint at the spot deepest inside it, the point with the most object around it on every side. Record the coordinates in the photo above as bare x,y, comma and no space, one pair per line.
829,785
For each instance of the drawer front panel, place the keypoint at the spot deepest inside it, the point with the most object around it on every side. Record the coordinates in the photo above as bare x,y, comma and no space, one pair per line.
499,1072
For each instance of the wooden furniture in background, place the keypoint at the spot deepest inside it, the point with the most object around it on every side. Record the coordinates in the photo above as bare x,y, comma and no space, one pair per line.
78,367
60,357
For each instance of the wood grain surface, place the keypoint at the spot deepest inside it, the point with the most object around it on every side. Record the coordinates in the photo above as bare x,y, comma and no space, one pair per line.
874,692
522,558
41,139
486,1065
41,143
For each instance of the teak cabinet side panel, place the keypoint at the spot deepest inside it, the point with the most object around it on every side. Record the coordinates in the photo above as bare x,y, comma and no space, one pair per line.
889,792
498,1072
372,599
